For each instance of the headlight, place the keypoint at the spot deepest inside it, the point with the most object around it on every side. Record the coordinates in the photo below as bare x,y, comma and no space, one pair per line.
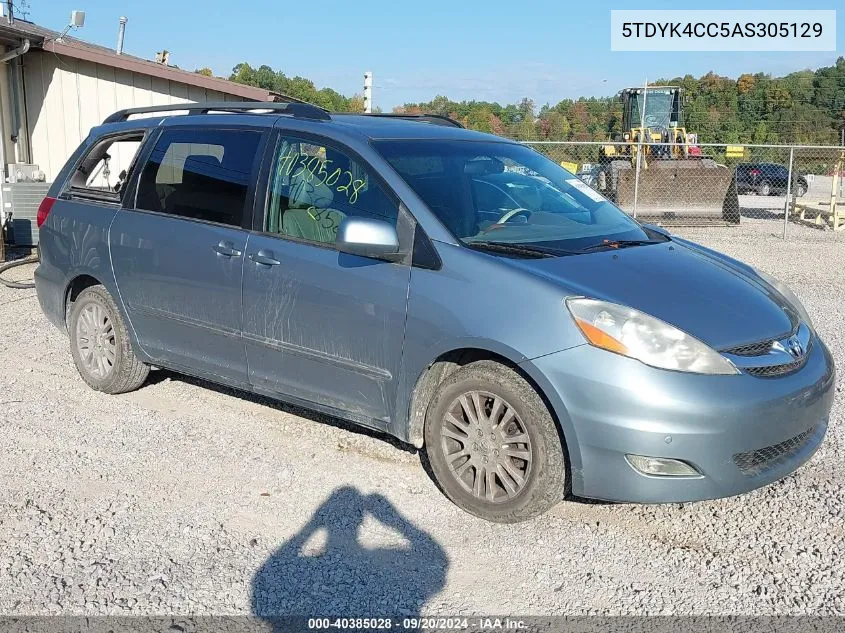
631,333
790,296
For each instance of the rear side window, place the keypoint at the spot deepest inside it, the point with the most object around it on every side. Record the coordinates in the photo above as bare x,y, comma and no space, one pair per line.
104,170
199,174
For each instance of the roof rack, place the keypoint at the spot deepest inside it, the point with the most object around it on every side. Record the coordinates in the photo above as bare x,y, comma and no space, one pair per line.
296,110
434,119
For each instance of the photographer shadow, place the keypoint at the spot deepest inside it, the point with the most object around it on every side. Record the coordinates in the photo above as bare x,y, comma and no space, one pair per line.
325,571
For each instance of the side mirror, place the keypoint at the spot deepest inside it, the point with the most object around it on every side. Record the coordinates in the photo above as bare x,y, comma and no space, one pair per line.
368,237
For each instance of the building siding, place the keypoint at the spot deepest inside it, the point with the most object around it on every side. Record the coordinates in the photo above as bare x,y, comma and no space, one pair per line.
66,97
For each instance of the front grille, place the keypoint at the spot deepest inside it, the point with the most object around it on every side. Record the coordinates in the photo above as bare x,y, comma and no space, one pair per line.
777,370
756,462
752,349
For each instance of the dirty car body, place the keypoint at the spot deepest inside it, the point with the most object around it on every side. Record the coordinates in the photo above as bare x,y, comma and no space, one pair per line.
499,255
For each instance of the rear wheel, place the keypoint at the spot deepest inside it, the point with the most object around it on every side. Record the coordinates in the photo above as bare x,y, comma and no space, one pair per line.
764,188
99,344
800,189
493,446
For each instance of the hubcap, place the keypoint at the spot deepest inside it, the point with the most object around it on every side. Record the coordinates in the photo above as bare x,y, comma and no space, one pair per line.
95,340
486,446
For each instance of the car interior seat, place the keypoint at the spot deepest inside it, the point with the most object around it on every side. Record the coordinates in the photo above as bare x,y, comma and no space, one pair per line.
309,215
206,192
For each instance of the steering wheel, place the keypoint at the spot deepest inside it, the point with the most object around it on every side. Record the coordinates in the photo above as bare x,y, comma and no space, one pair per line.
508,216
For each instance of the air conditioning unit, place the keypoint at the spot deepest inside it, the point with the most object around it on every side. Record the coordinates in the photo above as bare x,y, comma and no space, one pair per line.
25,172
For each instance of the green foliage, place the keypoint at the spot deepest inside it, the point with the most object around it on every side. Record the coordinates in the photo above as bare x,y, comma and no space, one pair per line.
802,107
297,87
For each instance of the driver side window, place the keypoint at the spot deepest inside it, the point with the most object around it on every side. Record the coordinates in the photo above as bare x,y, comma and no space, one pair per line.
314,187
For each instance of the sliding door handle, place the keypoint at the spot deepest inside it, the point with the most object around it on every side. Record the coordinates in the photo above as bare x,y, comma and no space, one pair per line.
265,258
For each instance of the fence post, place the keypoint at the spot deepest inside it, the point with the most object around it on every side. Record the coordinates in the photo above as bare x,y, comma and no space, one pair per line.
640,149
637,179
788,191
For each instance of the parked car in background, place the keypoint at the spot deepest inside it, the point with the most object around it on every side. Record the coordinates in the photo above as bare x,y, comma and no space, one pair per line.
767,179
457,290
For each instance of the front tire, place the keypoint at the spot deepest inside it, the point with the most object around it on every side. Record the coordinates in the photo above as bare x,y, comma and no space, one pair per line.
100,346
764,188
493,446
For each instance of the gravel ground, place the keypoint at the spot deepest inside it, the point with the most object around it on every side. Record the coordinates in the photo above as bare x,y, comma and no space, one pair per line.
186,498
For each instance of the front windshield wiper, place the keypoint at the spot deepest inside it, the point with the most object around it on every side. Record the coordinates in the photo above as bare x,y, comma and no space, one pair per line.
518,249
618,244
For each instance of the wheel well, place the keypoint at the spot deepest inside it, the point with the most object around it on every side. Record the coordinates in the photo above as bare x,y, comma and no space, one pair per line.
74,288
440,369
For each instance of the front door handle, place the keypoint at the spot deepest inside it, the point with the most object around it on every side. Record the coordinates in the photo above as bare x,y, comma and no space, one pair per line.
265,257
227,249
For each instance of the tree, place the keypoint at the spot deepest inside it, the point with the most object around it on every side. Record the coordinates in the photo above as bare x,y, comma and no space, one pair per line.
297,87
526,109
804,106
206,71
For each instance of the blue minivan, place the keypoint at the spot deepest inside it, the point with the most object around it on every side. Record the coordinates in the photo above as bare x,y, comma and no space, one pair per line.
457,290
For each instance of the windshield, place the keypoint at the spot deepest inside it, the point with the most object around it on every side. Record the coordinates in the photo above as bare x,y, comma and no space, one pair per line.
658,109
509,194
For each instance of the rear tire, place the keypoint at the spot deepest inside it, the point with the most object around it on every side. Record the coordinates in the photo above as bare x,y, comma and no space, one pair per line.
505,465
100,346
800,189
764,188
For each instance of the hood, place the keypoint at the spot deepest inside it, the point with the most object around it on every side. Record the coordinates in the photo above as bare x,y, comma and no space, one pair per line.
706,296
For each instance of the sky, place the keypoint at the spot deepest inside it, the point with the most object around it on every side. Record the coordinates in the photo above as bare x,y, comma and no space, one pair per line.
491,50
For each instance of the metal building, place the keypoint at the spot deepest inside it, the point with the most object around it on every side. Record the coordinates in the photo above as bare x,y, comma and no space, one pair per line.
54,88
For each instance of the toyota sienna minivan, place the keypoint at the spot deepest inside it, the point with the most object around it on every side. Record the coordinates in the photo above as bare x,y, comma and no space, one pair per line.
457,290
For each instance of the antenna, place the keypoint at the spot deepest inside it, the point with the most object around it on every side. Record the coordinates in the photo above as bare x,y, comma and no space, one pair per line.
77,21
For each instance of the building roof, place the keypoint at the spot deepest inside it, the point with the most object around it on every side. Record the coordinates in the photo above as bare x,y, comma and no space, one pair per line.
47,39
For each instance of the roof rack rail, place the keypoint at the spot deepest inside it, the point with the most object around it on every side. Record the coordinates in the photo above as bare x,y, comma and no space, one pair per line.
434,119
296,110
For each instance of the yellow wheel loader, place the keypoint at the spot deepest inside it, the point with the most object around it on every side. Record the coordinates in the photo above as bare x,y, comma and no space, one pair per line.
677,185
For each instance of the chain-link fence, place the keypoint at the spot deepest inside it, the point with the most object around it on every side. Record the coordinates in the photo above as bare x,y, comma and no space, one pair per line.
713,184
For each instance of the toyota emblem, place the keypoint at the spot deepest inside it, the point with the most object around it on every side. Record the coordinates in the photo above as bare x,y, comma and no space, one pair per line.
795,347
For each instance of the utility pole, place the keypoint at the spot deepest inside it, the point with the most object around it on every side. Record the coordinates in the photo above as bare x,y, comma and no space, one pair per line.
368,92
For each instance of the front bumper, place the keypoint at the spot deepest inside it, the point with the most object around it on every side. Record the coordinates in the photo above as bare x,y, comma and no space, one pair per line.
610,406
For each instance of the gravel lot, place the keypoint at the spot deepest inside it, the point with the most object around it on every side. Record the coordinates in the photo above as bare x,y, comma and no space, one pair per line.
183,497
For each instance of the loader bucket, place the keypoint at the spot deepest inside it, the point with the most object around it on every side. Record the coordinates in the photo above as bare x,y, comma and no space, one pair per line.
680,193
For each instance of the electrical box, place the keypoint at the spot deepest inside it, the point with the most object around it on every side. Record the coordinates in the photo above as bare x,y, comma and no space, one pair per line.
25,172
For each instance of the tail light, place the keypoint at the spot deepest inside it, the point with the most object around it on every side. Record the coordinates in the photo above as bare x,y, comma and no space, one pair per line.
44,210
755,172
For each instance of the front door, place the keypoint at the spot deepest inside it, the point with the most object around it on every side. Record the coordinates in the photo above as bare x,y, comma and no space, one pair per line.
322,326
178,256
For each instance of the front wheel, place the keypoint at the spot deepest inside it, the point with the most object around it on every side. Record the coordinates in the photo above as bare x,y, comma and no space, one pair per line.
764,188
493,446
99,343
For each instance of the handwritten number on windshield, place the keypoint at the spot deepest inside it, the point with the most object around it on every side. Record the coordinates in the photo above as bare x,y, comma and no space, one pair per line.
315,167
